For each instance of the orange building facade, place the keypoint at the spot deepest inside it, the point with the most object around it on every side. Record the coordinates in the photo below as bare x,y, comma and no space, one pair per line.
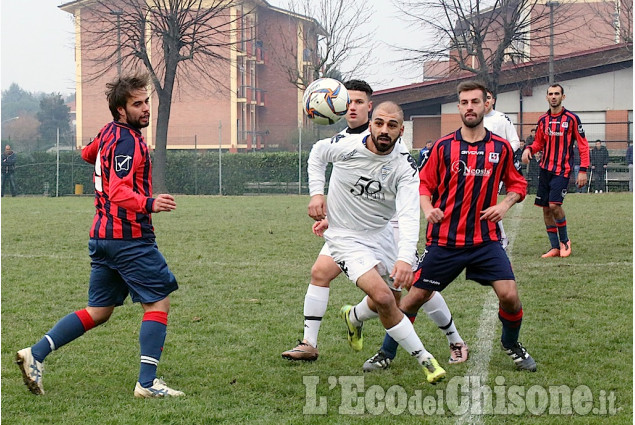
254,105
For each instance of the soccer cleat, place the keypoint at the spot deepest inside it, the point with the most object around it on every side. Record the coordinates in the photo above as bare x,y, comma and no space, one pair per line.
158,389
565,248
553,252
355,337
521,357
434,373
303,351
378,362
31,370
458,353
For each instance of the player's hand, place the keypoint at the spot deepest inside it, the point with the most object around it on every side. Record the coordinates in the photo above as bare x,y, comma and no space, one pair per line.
526,156
163,202
581,180
401,274
319,227
434,216
317,207
495,213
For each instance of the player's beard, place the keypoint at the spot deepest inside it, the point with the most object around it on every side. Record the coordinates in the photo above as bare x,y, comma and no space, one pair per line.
383,147
472,124
137,122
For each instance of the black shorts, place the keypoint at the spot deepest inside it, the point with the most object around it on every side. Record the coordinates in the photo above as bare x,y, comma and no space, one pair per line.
484,263
551,188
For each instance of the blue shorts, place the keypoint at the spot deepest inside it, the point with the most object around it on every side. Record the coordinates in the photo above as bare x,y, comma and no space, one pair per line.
551,188
122,267
484,263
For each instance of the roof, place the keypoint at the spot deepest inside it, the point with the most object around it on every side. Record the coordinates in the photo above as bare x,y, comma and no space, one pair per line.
513,77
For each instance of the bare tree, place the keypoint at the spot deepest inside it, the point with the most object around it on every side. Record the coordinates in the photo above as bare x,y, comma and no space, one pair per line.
342,47
616,16
480,37
184,41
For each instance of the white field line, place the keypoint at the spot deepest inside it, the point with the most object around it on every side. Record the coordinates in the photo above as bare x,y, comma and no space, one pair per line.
480,357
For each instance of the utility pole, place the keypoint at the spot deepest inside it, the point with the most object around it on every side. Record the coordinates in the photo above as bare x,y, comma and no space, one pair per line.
118,14
551,5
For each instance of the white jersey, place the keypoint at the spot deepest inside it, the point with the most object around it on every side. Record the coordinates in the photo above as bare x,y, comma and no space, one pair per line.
500,124
366,190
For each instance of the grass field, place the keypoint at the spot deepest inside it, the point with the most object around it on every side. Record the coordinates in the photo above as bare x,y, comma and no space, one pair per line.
243,267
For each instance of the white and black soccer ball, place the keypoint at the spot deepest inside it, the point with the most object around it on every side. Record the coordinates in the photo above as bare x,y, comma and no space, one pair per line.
325,101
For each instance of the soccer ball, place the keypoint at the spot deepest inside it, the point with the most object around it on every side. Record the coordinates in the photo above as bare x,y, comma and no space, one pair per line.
325,101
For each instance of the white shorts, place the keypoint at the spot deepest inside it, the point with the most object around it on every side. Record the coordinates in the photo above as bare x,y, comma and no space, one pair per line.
358,252
325,250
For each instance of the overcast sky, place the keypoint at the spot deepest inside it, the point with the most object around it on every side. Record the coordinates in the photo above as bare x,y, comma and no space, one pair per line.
37,45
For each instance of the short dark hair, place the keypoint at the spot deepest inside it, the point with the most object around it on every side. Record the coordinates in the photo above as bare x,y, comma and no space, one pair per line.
556,85
119,91
471,85
359,85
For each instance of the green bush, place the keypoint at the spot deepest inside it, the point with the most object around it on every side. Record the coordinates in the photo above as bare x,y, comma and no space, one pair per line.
187,172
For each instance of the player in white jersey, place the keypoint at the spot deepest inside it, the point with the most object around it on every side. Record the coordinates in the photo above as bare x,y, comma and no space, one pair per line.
324,269
371,182
500,124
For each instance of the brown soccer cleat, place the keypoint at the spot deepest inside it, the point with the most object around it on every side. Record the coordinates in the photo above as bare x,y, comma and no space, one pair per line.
303,351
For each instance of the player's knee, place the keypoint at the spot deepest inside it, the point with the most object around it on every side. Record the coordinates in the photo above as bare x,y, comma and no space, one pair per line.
100,314
509,299
383,299
322,274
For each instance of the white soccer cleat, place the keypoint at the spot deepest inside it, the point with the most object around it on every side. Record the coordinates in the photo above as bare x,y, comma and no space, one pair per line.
158,389
31,370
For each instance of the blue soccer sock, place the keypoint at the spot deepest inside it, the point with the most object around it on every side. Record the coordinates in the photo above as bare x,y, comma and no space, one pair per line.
389,346
151,338
67,329
552,232
511,326
562,230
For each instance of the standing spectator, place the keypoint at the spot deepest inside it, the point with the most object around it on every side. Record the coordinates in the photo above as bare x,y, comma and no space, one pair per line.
518,157
557,131
599,161
125,259
629,162
424,153
8,169
576,165
530,139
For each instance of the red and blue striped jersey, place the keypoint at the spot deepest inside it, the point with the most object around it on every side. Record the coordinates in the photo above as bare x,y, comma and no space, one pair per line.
555,137
123,183
462,179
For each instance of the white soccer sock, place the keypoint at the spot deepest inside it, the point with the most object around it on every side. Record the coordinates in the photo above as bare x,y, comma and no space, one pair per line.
362,312
405,335
315,302
438,311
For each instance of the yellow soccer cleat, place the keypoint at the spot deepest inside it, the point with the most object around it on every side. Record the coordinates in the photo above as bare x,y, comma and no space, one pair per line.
355,337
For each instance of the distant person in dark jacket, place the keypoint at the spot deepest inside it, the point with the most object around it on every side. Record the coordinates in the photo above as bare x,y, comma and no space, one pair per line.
629,162
8,170
530,139
576,166
599,161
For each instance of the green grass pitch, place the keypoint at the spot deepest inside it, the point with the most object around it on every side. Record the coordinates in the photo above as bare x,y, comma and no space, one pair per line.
243,267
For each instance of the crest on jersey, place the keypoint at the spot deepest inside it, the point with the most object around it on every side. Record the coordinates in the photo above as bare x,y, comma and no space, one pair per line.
122,163
565,124
494,157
